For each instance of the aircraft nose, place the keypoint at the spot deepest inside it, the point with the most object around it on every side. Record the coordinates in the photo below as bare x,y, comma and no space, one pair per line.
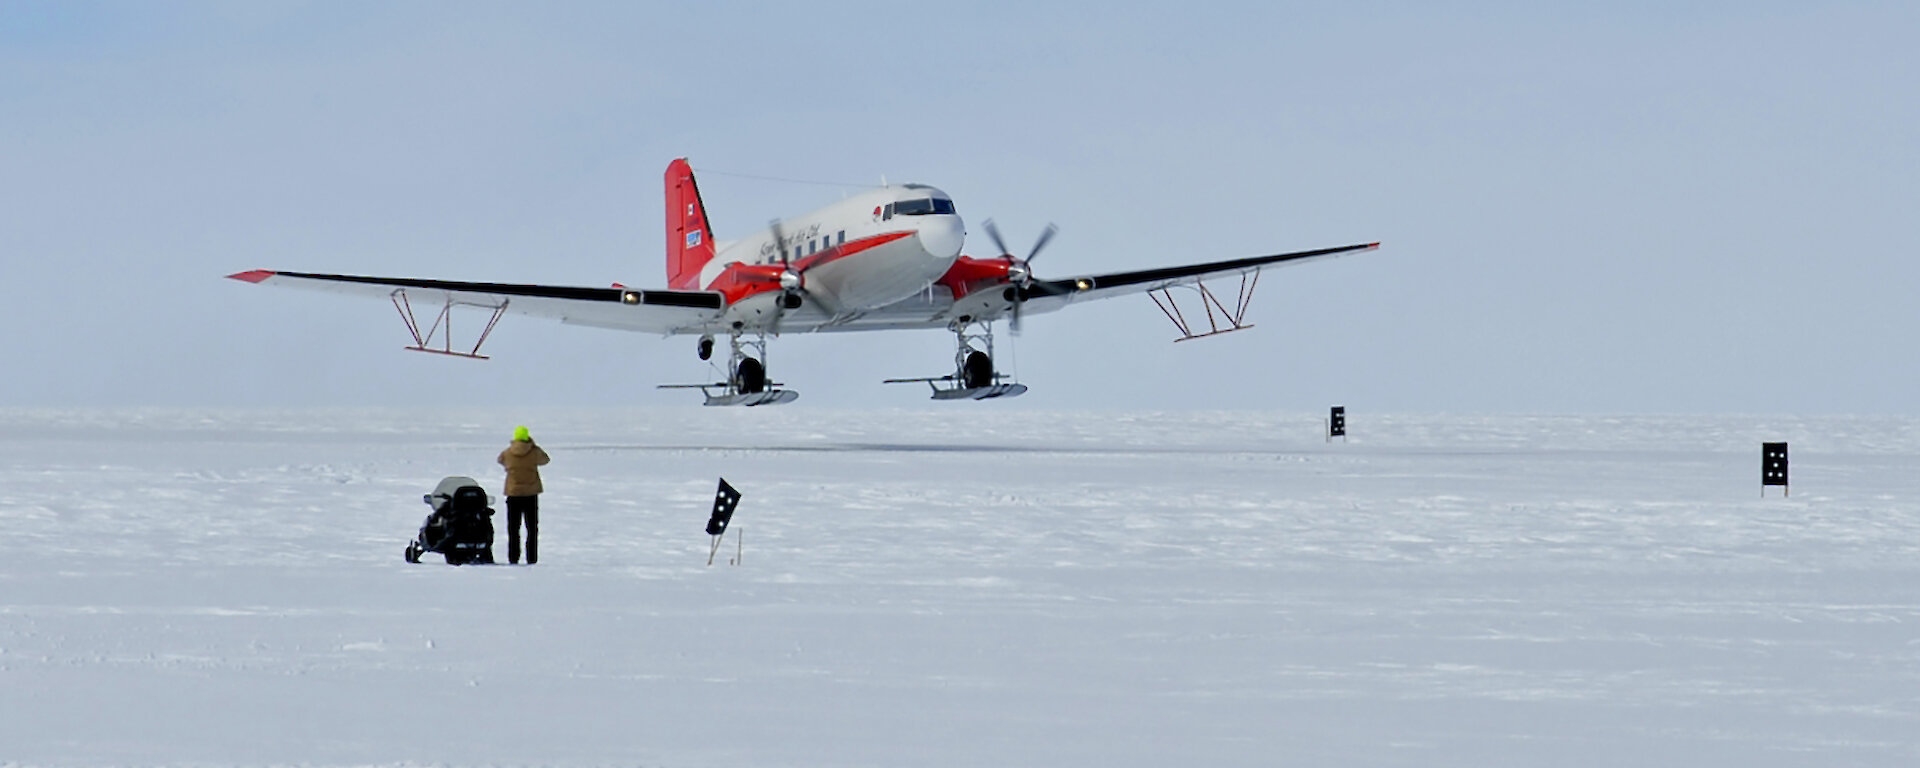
942,236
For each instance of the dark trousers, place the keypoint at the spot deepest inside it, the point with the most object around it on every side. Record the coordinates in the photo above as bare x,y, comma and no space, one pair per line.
525,508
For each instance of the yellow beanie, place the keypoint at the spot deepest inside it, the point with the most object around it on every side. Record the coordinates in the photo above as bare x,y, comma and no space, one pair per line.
522,435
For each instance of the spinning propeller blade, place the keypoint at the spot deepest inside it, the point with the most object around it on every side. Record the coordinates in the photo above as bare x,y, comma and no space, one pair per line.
798,286
1019,271
993,233
779,240
1046,235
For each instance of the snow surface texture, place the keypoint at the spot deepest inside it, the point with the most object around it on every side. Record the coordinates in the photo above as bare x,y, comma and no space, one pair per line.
964,587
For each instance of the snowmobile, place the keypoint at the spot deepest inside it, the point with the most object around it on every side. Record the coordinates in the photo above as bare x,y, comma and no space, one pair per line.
460,526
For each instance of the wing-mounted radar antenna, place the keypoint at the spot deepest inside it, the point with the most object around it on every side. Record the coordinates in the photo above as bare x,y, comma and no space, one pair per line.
1220,319
724,502
1773,468
442,327
1337,423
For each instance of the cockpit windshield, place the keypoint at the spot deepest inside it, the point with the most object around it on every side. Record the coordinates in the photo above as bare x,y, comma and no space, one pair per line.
926,206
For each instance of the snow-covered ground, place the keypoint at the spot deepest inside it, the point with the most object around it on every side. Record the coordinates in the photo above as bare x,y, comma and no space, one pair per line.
964,586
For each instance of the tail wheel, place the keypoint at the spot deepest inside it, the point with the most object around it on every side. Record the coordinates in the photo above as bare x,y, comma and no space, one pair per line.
750,377
977,372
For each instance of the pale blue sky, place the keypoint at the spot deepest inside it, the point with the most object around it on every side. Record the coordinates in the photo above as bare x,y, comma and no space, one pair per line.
1633,207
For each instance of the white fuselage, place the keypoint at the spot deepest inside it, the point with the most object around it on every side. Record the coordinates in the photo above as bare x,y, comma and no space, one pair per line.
865,252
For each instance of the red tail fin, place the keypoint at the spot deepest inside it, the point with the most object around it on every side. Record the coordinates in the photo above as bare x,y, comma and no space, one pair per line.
689,240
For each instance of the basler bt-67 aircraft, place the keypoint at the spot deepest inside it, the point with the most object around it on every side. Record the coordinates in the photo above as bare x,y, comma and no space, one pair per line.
888,258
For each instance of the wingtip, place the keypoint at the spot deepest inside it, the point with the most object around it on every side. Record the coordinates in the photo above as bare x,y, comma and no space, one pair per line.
251,275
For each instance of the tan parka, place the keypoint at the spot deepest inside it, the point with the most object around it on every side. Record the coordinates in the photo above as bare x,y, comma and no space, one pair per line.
523,460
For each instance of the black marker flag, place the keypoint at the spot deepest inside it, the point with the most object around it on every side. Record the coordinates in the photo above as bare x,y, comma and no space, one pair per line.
723,504
1773,466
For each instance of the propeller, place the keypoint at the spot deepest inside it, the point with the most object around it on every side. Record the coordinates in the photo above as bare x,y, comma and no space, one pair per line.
791,283
1019,271
779,242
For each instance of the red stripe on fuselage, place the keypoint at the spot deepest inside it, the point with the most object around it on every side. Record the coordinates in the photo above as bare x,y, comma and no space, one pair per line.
842,251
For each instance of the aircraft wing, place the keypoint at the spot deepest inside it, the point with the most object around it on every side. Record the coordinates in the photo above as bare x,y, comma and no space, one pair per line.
689,312
1049,295
664,312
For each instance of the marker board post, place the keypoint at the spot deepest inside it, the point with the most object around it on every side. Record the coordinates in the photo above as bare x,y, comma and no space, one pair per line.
1773,468
1337,423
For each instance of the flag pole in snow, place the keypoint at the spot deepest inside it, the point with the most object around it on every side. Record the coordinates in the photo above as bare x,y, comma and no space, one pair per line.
724,501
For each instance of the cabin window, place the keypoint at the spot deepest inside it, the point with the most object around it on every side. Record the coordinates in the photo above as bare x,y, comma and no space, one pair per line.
843,238
888,214
813,246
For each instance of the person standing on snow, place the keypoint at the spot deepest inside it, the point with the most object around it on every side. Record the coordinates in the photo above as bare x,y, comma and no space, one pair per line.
523,460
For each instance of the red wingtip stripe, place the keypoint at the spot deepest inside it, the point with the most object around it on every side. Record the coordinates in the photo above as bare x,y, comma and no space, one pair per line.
252,275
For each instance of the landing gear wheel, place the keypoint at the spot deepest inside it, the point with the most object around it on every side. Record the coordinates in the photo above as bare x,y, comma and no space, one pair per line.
750,377
977,372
